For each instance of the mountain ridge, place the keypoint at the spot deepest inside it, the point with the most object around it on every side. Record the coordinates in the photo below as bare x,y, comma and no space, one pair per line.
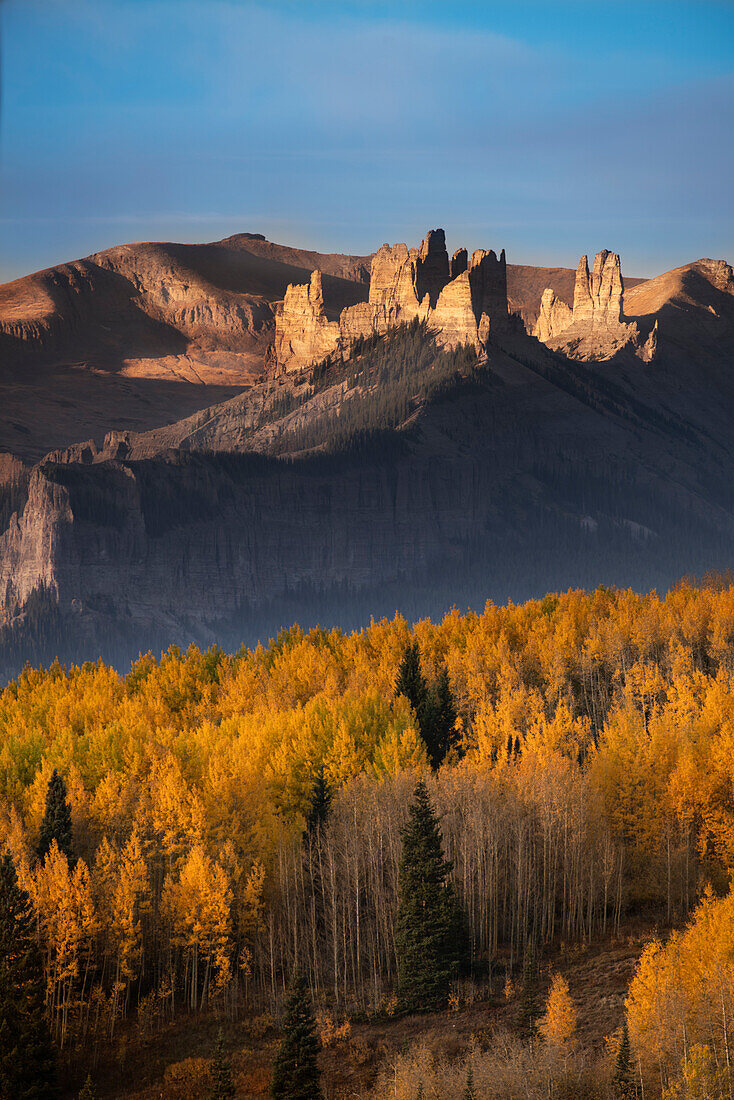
396,473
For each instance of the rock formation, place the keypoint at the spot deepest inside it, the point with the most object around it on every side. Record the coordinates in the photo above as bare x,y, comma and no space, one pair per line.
597,298
555,316
595,328
304,332
461,300
459,262
432,267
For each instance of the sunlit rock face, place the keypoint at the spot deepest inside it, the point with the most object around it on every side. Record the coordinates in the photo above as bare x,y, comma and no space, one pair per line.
595,328
460,299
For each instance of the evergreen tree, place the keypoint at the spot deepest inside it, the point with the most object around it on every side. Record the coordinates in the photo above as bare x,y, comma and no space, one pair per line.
623,1078
529,1004
88,1092
321,797
295,1070
56,824
441,717
411,683
429,919
220,1072
470,1093
27,1070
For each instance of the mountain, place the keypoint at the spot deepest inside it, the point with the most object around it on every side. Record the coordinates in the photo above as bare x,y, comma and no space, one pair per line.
408,467
141,334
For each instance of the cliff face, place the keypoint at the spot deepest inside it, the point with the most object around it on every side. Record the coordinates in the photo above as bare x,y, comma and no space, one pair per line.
303,332
462,301
196,530
620,478
595,329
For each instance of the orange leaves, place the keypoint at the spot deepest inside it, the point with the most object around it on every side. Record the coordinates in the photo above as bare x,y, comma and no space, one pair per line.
683,993
558,1023
197,904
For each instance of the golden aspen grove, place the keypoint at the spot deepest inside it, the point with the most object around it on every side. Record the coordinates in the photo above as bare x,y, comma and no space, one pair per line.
588,792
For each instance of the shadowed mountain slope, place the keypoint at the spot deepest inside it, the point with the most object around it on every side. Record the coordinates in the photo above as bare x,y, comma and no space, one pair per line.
139,335
406,476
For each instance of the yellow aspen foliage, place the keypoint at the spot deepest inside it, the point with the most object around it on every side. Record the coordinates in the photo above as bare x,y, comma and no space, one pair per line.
401,748
68,923
122,893
700,1077
682,993
198,905
177,815
558,1023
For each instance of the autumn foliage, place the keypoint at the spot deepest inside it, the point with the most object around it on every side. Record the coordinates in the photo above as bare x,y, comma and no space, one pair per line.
589,772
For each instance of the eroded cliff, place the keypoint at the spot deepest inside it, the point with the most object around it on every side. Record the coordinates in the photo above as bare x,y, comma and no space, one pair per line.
461,300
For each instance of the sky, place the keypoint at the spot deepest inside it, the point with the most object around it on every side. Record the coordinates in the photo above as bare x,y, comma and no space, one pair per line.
550,129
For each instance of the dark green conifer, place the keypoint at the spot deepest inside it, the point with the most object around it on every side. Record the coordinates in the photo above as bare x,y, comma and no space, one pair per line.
428,919
623,1078
27,1069
470,1093
56,824
220,1073
295,1070
442,734
321,797
88,1092
410,682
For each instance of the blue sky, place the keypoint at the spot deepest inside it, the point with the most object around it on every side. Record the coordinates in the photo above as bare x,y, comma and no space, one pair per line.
548,128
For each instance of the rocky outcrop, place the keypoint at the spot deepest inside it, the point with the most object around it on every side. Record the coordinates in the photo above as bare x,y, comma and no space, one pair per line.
461,300
488,280
595,328
453,319
303,333
459,262
597,298
432,267
648,349
555,316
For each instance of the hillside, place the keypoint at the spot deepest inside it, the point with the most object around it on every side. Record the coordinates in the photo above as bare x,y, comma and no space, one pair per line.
139,335
233,818
405,469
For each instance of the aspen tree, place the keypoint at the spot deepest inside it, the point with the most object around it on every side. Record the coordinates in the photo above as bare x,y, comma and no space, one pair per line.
557,1025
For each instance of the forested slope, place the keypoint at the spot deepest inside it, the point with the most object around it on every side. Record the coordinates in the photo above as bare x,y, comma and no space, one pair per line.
585,778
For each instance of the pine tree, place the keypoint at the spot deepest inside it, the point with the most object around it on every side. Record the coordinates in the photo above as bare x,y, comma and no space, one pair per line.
27,1069
470,1093
411,683
428,919
56,824
295,1070
623,1078
88,1092
220,1072
321,797
440,734
529,1005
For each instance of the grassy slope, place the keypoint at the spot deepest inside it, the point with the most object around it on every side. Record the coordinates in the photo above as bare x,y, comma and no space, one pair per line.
171,1065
